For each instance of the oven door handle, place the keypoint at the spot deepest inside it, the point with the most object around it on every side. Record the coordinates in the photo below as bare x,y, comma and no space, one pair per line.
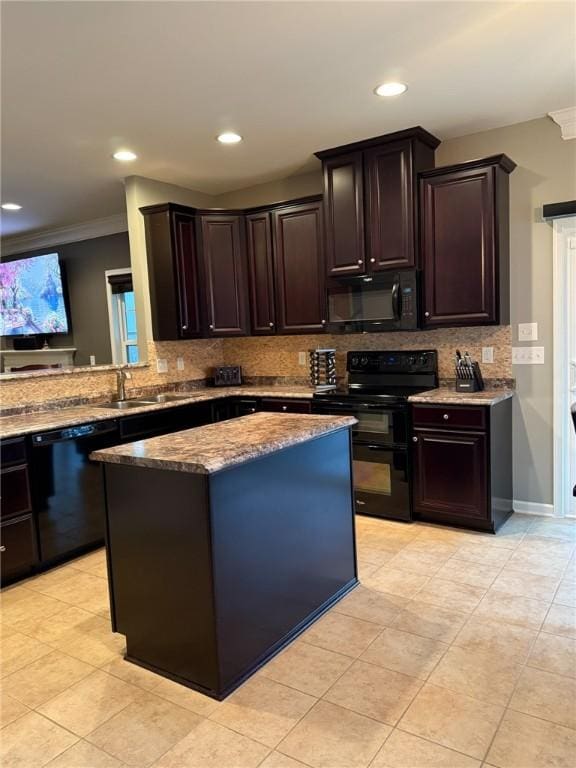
378,447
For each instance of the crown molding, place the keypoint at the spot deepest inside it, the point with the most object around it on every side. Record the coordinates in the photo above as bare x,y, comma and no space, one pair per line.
87,230
566,119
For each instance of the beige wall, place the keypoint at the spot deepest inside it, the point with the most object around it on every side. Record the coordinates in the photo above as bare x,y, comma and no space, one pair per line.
139,192
273,192
546,173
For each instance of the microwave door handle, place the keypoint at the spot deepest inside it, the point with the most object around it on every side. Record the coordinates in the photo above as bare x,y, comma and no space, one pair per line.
396,300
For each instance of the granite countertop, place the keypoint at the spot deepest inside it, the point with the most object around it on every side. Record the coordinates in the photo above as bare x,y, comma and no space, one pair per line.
215,447
57,418
446,396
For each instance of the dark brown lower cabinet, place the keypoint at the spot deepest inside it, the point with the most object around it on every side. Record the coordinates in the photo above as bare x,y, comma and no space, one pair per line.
462,464
19,555
287,405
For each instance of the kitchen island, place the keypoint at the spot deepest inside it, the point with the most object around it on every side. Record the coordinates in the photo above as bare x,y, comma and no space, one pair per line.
226,541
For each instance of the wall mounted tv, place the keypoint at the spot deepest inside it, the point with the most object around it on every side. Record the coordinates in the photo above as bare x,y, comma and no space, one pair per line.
32,297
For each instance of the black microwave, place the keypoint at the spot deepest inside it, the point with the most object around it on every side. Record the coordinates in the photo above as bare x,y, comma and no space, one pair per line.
387,301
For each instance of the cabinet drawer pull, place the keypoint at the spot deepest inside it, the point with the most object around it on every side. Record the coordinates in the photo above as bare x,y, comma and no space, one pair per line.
414,439
372,260
446,416
426,314
2,548
284,407
359,261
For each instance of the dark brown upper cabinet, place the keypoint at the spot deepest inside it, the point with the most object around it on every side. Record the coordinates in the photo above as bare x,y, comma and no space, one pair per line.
172,271
260,272
370,192
465,243
223,265
344,212
299,268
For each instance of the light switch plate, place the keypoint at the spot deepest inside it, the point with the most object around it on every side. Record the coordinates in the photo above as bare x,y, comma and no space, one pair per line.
302,358
180,363
487,354
527,331
162,365
528,355
92,359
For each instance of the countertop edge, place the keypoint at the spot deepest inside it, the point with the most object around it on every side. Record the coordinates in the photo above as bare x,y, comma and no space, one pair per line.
441,396
212,467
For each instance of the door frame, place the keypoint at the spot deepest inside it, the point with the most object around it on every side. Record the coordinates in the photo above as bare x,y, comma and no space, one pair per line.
564,273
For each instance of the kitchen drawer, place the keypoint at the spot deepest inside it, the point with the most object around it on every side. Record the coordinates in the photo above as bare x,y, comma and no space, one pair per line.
18,547
451,416
13,451
15,490
287,405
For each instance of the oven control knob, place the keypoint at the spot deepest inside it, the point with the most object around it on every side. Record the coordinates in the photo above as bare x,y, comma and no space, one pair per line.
423,359
355,361
412,360
363,361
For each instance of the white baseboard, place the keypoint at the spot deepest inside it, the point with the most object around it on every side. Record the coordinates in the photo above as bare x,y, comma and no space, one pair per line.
533,508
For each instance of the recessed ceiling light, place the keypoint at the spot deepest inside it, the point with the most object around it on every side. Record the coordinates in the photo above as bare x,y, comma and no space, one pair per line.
229,138
390,89
124,155
11,206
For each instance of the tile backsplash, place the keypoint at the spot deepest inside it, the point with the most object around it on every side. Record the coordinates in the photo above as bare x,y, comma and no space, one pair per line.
278,355
260,357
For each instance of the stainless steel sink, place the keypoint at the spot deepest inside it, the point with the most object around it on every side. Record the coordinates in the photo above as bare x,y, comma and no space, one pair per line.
167,397
125,405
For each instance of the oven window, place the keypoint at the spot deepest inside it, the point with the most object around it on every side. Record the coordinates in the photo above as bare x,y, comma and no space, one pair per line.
372,477
374,422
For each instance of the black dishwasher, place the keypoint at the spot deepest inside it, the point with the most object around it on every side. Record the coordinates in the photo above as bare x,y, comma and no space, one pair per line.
68,489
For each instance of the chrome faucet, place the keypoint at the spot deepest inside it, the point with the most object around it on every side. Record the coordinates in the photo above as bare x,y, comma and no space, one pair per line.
121,377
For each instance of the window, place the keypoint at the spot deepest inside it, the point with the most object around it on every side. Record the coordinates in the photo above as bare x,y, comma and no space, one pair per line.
122,310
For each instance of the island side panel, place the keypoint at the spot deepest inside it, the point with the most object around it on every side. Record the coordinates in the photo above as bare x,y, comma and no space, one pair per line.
283,548
160,562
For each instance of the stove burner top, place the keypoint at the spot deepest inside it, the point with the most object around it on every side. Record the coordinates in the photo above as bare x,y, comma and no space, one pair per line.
392,395
385,377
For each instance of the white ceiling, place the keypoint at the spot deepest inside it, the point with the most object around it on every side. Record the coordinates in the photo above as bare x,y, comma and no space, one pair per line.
81,79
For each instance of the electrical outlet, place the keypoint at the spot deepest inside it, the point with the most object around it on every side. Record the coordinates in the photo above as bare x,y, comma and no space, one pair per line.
92,359
162,365
302,358
527,331
487,354
528,355
180,363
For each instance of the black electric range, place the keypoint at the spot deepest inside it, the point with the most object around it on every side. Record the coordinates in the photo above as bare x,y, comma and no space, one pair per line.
379,385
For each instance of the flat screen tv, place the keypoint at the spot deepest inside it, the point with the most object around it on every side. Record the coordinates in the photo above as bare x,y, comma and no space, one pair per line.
32,297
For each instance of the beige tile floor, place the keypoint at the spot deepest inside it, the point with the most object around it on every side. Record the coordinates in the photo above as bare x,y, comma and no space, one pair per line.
457,651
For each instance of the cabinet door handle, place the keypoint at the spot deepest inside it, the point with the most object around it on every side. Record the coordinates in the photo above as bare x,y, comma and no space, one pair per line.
271,325
184,327
372,260
426,314
2,548
359,261
211,327
446,417
414,439
323,322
